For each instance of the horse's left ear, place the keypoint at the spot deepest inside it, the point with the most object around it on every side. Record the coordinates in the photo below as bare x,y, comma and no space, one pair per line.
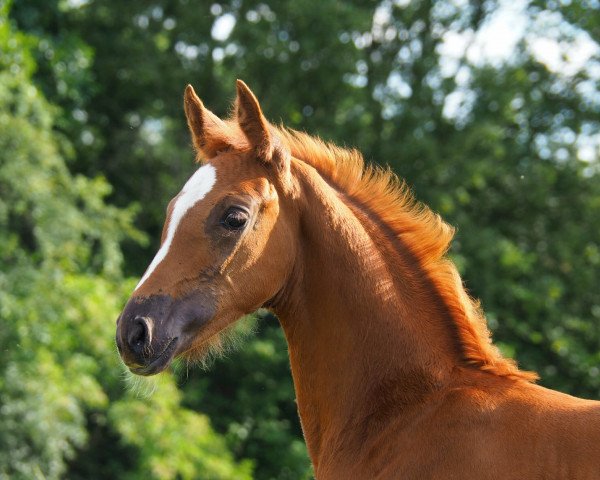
257,130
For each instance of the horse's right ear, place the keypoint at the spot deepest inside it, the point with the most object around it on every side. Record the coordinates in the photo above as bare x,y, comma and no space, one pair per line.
209,132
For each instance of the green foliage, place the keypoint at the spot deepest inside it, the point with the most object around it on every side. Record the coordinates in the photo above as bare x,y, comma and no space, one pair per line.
156,424
49,223
504,166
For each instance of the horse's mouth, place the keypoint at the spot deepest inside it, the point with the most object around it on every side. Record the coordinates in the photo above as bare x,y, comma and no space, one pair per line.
160,362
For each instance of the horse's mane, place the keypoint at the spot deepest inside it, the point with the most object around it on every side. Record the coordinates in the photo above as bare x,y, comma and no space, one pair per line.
426,236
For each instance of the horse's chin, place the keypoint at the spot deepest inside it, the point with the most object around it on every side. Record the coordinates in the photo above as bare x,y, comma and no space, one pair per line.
203,351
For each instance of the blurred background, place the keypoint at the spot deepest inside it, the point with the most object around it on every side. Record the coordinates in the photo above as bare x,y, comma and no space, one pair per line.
489,109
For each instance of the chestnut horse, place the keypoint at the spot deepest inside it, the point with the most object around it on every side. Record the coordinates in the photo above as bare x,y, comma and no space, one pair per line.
394,370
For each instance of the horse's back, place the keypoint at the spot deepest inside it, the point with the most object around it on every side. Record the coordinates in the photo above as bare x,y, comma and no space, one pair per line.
509,429
515,429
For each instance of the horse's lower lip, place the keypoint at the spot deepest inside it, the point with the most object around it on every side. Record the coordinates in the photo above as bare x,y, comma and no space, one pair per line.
159,363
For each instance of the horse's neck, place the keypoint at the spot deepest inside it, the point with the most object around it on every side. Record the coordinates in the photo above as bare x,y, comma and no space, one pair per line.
364,338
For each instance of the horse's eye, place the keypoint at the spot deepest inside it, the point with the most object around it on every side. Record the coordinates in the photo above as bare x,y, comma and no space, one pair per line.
235,218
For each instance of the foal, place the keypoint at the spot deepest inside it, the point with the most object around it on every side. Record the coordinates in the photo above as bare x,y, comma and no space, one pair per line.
394,370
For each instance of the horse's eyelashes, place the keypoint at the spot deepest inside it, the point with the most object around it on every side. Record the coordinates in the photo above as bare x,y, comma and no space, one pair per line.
235,218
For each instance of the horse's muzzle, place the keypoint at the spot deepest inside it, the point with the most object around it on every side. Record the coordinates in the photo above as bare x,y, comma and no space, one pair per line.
159,362
151,331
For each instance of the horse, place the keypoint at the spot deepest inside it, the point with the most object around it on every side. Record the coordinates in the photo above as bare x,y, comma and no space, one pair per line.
393,366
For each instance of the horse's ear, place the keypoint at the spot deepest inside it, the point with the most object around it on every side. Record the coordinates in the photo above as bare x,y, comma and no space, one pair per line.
257,130
252,121
209,132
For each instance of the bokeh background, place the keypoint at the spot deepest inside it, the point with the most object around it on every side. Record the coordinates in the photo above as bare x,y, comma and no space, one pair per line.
489,109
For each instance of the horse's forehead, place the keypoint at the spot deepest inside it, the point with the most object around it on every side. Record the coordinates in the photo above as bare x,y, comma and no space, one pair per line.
196,188
236,175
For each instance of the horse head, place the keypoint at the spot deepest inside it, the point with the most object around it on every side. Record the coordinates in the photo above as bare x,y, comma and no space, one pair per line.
227,246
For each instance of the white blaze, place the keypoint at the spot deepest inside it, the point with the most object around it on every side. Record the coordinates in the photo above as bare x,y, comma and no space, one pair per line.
194,190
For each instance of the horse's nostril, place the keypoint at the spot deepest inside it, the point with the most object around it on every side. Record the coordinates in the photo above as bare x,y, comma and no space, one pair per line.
139,335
